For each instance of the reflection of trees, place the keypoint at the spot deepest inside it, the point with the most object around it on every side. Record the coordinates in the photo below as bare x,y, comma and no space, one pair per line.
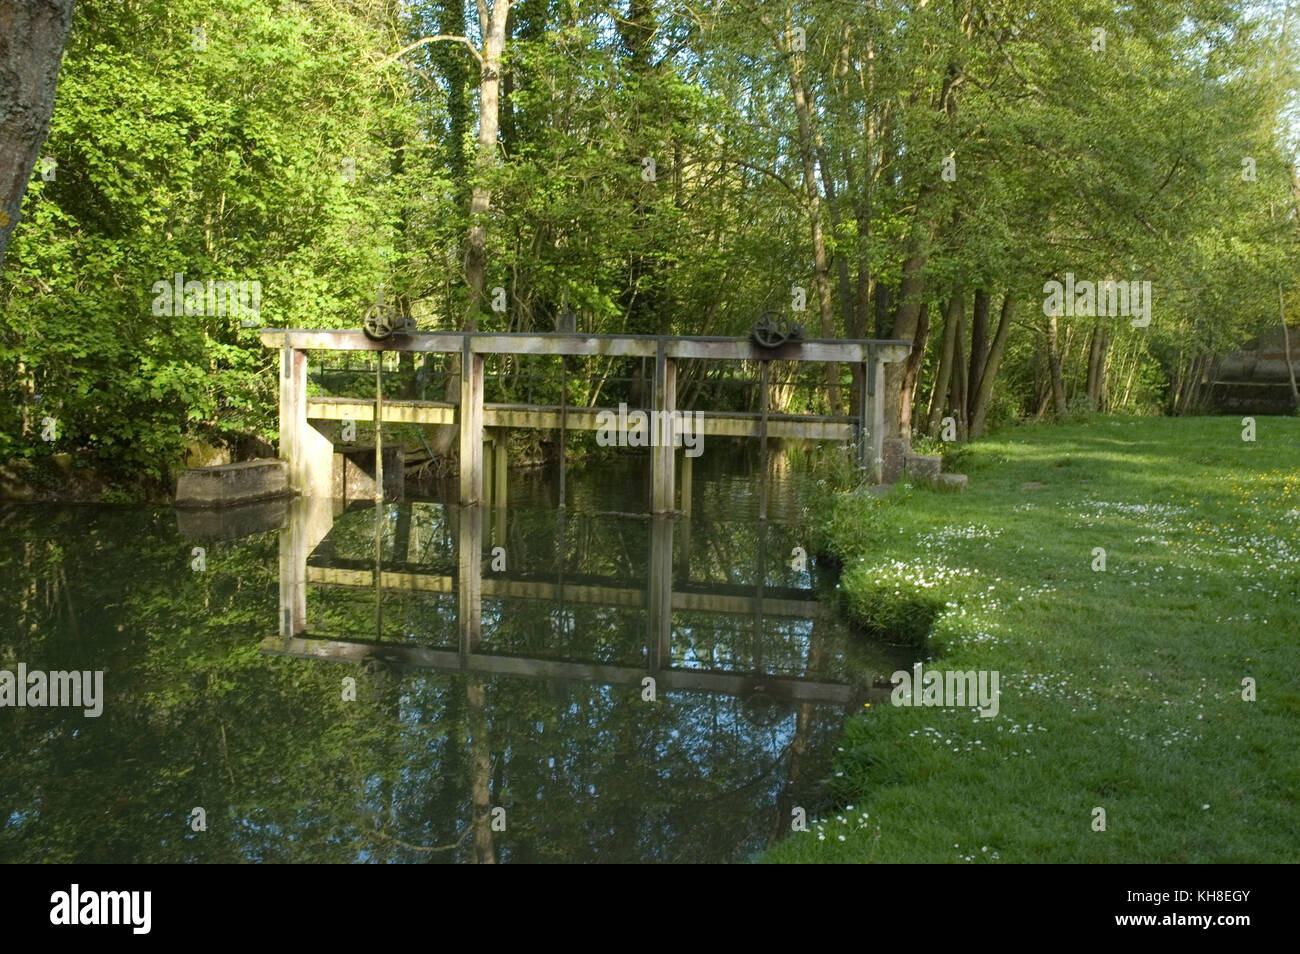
288,771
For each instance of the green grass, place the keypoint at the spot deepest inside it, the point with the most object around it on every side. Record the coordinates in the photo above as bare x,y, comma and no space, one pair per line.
1121,689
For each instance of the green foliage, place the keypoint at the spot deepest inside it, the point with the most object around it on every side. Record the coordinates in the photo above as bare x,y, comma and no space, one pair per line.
1199,529
891,603
322,150
175,159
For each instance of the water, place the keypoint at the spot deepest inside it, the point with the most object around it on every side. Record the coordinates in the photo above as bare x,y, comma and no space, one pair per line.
498,713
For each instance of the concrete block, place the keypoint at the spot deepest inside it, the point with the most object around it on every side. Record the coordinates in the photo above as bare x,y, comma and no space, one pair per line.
235,521
952,482
923,467
229,484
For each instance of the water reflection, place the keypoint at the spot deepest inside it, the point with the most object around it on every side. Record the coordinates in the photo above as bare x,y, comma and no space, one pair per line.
453,603
498,712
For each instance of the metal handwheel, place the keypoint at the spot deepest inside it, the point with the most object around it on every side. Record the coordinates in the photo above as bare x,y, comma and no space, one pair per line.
772,331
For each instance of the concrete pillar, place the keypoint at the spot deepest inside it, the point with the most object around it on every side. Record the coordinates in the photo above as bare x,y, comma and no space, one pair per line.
308,452
310,519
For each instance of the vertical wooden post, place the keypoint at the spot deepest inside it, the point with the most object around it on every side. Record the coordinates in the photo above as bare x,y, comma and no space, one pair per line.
662,458
471,426
469,576
876,398
291,392
501,462
688,465
864,416
659,597
309,453
564,425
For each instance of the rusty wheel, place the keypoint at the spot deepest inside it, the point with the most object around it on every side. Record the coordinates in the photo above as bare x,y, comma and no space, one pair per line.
379,323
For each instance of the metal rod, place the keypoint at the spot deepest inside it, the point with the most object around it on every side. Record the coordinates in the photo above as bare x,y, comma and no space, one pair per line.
762,483
564,424
379,429
379,494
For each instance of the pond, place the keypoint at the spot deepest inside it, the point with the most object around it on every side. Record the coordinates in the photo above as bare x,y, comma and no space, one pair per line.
523,684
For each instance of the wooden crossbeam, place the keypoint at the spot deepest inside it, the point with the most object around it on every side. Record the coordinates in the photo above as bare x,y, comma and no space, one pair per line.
593,594
639,346
786,688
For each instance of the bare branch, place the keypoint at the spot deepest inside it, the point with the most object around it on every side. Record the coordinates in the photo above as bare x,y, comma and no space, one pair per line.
434,39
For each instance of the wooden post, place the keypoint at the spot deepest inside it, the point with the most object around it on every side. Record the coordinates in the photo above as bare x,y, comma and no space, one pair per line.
502,462
659,597
309,453
864,418
662,458
471,426
688,464
469,576
876,399
564,425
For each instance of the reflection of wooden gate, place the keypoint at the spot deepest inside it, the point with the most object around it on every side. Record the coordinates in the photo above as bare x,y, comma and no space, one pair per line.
311,520
310,454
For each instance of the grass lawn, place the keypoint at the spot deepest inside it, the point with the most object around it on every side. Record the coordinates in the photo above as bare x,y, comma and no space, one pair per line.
1121,688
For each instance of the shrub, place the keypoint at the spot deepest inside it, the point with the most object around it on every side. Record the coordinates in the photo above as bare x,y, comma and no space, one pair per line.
891,603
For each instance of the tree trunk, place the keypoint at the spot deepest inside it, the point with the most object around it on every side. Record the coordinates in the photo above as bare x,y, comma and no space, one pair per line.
911,370
33,34
911,290
989,373
1286,348
1054,366
943,377
1096,367
882,304
979,343
959,382
492,23
821,265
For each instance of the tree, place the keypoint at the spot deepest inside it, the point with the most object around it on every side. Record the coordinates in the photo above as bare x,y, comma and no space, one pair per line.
33,34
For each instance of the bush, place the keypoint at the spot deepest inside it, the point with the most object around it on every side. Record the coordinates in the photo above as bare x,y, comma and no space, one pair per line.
891,604
849,526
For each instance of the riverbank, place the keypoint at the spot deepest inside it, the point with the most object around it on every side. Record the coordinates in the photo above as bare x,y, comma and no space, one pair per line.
1121,688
